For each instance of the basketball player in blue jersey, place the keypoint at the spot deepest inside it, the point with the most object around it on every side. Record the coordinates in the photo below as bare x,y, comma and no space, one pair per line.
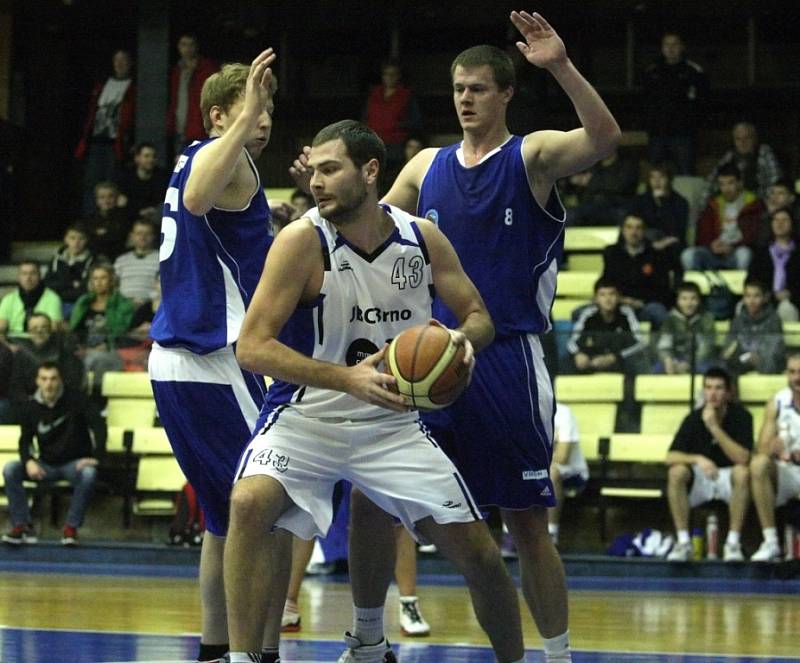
493,196
215,235
336,285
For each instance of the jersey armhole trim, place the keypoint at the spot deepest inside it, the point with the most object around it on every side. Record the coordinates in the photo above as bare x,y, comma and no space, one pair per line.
553,190
258,188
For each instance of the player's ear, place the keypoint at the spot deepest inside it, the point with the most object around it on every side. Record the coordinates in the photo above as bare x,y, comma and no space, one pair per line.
215,113
371,171
508,94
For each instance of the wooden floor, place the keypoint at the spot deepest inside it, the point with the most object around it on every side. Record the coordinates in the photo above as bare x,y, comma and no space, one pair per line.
727,624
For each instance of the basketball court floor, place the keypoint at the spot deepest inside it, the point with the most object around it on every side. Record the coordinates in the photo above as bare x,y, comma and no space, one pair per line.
87,614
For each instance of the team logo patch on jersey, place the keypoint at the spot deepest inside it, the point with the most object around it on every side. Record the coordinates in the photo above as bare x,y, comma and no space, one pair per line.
450,504
546,492
359,350
344,266
432,215
529,475
278,461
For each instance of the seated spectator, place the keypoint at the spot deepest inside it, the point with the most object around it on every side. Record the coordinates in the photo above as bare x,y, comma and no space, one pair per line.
605,337
56,417
727,228
7,415
301,202
99,319
143,185
569,468
644,274
31,296
665,212
413,146
780,196
134,346
687,334
137,268
108,228
755,338
68,273
775,469
708,461
603,192
778,265
45,344
755,161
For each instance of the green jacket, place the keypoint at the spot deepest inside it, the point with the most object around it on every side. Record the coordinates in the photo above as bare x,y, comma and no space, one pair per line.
119,315
13,310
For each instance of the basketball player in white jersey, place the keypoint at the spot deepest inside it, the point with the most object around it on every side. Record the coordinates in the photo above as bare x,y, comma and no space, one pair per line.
775,469
493,196
337,285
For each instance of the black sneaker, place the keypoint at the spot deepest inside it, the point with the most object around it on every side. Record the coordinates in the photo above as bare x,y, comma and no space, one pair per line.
20,534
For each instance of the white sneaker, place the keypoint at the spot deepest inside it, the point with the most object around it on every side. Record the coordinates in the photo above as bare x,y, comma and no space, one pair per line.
681,552
290,622
359,653
767,552
732,552
412,623
427,549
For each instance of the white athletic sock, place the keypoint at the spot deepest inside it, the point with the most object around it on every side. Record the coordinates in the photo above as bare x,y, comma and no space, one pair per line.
770,535
733,538
552,528
683,536
368,625
556,650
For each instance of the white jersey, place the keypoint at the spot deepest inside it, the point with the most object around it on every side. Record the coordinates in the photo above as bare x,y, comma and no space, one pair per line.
788,416
566,432
364,302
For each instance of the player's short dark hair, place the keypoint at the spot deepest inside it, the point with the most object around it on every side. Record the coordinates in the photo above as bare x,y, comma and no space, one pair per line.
361,142
752,282
688,286
498,60
729,170
604,282
719,373
48,366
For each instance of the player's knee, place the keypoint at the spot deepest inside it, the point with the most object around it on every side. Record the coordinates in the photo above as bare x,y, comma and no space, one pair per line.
365,513
759,466
248,501
741,475
678,474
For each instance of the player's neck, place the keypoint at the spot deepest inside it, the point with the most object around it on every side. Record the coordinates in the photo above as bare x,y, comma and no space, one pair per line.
367,228
477,144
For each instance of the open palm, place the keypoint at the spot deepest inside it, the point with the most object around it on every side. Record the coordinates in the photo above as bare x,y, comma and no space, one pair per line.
542,46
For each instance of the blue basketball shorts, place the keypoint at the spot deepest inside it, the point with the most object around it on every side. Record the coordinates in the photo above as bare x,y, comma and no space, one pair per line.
209,407
499,433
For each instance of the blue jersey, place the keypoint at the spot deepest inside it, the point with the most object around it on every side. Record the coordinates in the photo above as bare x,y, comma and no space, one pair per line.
210,265
509,246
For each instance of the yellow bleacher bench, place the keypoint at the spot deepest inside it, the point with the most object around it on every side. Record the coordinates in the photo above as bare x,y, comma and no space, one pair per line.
9,437
124,384
757,388
158,479
595,420
665,388
130,412
590,238
563,308
662,418
576,284
151,440
595,388
279,195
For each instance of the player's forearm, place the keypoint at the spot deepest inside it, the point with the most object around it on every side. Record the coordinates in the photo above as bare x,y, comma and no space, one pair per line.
478,328
280,362
595,117
682,458
730,447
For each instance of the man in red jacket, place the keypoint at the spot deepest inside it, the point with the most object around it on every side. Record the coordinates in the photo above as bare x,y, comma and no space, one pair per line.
184,120
728,227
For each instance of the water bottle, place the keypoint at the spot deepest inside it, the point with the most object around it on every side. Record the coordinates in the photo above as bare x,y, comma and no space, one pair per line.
697,544
712,537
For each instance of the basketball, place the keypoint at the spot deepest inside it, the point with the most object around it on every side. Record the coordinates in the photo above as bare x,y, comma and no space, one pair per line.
428,366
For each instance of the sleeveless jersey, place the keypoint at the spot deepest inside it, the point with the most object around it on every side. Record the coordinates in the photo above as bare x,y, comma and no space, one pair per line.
210,265
364,301
788,415
508,245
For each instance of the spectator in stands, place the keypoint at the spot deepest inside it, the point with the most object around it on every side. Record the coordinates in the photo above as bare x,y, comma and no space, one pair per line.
708,460
665,212
603,192
569,468
755,161
605,336
778,265
99,319
45,344
31,296
68,273
775,469
392,113
780,196
184,119
686,337
644,274
137,268
108,227
728,227
109,126
56,417
675,90
7,415
143,185
301,202
755,338
414,145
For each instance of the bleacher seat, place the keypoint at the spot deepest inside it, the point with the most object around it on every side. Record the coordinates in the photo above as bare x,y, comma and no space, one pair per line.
123,384
151,440
9,437
757,412
576,284
757,388
563,307
665,388
41,252
662,418
590,238
279,195
158,479
595,388
595,420
734,278
130,412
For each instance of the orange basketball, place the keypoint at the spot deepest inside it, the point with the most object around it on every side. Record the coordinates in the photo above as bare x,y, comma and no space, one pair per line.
428,366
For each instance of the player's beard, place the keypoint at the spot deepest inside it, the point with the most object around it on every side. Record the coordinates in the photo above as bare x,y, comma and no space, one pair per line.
346,209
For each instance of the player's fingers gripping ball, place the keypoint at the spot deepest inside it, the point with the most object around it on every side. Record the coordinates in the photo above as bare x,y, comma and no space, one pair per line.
428,366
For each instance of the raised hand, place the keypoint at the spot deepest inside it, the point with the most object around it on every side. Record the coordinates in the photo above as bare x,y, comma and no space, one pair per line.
258,90
542,46
300,171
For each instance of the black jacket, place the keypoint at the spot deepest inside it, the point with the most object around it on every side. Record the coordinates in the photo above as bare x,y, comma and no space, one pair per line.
645,276
763,269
